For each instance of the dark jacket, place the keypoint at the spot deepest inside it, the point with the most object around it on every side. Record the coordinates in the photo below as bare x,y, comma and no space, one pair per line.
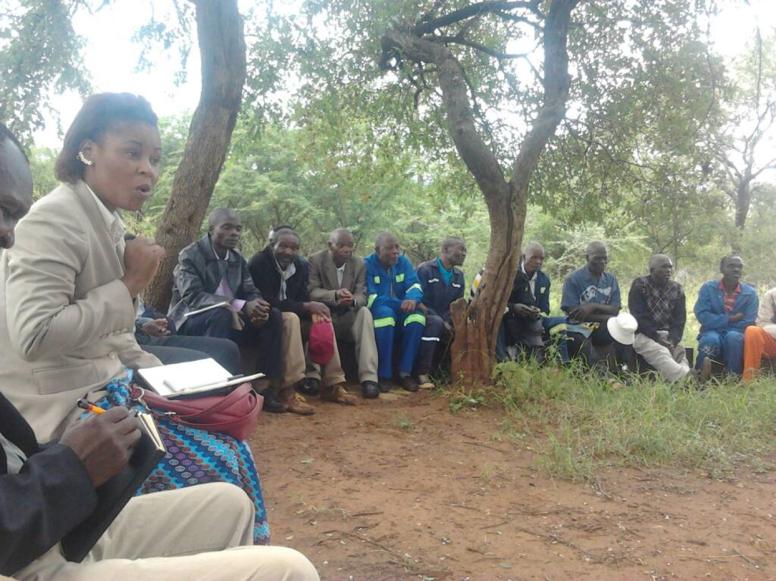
521,291
638,305
198,274
267,279
438,296
47,499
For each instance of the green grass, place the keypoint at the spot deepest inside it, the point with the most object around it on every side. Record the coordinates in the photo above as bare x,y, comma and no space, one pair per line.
580,423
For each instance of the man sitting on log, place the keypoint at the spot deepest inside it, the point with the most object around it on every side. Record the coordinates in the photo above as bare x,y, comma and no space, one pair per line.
338,280
442,283
725,308
394,294
658,304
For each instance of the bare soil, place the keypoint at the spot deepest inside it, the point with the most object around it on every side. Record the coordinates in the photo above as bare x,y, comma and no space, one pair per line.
400,488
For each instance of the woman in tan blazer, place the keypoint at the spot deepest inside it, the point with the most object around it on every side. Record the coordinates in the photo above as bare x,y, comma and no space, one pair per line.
67,307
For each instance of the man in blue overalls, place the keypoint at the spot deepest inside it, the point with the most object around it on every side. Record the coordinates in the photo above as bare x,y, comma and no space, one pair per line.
393,295
442,283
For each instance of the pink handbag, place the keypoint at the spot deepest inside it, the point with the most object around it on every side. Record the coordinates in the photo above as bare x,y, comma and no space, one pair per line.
235,413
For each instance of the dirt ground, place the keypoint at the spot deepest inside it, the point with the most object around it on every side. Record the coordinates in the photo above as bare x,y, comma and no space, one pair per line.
400,488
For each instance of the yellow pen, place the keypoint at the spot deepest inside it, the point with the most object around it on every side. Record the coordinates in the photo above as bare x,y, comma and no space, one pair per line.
89,407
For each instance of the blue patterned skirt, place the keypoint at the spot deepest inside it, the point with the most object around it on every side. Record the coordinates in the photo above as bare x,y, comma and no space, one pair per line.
196,456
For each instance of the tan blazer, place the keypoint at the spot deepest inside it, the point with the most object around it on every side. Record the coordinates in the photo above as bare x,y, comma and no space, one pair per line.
323,279
66,320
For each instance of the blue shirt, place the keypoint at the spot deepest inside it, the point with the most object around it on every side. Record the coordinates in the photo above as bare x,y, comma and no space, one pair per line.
581,287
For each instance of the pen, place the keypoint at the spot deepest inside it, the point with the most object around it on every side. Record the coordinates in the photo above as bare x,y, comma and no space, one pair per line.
89,407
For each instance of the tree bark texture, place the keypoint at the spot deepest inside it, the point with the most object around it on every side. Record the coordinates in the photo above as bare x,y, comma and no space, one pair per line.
476,324
222,51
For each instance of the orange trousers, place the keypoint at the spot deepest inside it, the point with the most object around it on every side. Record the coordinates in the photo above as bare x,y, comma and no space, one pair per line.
758,343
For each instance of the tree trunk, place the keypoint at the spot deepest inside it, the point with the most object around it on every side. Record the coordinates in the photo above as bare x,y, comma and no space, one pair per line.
222,50
476,325
743,202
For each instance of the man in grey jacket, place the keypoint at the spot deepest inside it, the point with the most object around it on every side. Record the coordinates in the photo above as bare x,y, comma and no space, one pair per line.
214,296
338,279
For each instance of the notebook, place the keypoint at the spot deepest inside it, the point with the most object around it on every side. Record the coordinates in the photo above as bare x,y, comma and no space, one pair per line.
192,378
116,492
204,309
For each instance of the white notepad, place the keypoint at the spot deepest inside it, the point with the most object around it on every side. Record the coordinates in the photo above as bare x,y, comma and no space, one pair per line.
190,377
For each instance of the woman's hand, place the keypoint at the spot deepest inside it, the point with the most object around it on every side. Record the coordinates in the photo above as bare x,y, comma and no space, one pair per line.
141,260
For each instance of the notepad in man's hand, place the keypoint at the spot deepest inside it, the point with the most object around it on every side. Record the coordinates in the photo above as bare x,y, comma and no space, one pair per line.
116,492
191,378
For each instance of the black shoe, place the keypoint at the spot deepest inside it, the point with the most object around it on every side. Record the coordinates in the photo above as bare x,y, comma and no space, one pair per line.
310,386
408,383
273,406
370,390
385,386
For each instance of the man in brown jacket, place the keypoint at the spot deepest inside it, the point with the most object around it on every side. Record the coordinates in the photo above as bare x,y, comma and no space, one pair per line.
337,279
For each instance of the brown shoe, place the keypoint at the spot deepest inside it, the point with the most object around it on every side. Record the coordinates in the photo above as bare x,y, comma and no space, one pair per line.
338,394
298,405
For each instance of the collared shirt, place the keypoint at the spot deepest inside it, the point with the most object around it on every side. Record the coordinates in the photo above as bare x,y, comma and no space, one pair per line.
112,220
14,457
531,279
224,289
730,299
447,275
340,275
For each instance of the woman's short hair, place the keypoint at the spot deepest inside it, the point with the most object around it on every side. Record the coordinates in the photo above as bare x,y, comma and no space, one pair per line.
98,115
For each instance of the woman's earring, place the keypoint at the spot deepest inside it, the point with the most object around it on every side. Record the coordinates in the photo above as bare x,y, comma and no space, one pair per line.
82,158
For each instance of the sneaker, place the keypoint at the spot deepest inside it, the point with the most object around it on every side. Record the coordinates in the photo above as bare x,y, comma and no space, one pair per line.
338,394
408,383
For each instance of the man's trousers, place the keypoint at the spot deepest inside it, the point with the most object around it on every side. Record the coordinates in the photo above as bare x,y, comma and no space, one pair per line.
200,532
355,326
435,336
758,343
671,366
295,350
394,325
726,347
266,339
180,348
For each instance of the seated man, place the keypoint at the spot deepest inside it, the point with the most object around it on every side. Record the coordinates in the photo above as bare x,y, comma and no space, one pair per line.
658,304
760,339
725,308
393,295
523,324
442,283
591,296
338,280
45,492
281,275
212,272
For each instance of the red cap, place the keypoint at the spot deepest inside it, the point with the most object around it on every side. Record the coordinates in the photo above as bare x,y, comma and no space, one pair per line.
320,344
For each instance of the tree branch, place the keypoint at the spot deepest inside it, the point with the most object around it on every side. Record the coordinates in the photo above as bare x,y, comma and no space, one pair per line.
476,9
